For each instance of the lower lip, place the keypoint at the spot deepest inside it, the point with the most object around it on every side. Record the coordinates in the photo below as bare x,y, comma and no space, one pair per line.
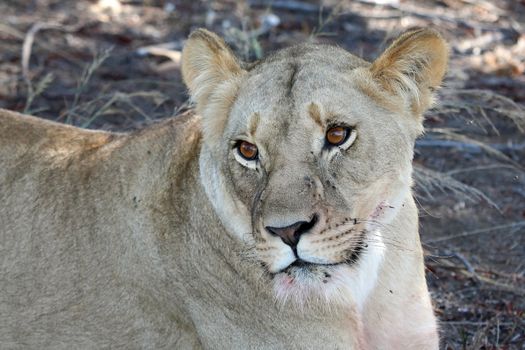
350,261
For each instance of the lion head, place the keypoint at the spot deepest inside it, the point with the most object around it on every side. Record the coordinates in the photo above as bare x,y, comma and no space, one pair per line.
307,154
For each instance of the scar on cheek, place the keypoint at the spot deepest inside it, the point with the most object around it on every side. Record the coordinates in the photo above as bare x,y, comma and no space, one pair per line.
380,209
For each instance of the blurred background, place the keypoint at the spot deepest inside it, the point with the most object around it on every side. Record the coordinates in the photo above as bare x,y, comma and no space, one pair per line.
114,65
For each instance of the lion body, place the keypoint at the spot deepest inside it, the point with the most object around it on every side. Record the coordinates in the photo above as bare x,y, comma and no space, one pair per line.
83,261
130,240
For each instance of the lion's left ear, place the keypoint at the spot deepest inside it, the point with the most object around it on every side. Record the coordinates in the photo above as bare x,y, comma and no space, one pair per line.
213,74
413,67
206,63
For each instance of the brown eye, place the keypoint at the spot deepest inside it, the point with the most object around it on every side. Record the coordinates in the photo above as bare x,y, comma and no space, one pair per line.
336,136
247,150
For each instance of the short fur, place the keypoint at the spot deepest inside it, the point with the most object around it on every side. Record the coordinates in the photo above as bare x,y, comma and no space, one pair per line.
157,238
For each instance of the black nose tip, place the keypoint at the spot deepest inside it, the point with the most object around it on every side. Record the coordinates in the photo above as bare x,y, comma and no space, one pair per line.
291,234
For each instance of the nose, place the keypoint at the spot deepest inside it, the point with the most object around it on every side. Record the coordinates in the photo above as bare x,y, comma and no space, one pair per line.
291,234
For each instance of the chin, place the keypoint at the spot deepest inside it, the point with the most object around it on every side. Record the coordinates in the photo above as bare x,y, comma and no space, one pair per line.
345,284
304,284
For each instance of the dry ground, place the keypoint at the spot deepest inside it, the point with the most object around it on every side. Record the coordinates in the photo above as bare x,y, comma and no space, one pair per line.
98,64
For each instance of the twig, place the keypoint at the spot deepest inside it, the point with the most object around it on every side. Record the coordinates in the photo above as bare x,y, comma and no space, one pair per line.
26,55
451,135
429,180
480,168
469,147
513,225
173,55
465,99
472,323
421,13
461,258
508,287
35,28
465,262
446,264
288,5
26,49
501,82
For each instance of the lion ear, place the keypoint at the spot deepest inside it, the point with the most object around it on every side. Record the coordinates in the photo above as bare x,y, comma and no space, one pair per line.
207,62
413,67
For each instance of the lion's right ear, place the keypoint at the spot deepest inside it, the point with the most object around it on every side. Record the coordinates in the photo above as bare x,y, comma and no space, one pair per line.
413,67
207,63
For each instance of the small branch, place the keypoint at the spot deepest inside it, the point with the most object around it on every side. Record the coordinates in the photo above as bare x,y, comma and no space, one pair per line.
465,262
473,323
428,15
447,264
288,5
161,50
469,147
480,168
513,225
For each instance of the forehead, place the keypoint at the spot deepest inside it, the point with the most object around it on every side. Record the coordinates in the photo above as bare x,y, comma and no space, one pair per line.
280,88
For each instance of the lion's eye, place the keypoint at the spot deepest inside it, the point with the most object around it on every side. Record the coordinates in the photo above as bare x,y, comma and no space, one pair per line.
247,150
336,136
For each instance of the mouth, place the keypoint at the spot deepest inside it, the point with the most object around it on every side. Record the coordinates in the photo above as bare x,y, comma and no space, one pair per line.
300,265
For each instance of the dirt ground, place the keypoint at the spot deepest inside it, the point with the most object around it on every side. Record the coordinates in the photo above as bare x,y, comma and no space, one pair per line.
114,65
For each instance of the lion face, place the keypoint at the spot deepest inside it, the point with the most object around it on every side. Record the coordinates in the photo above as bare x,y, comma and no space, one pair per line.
307,154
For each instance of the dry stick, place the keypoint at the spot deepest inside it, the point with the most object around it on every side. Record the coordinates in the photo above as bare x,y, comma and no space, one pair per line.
498,82
479,168
510,276
43,26
159,50
464,271
473,323
421,13
510,288
450,134
517,224
288,5
468,147
429,180
486,5
26,49
464,261
489,122
26,55
497,332
27,45
498,102
467,264
18,34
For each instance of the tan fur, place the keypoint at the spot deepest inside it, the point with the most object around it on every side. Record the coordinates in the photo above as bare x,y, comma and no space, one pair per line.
158,238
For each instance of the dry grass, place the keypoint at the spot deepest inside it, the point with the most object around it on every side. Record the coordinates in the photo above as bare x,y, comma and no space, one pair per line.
83,82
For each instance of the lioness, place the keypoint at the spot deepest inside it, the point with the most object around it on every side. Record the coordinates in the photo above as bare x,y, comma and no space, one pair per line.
279,215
